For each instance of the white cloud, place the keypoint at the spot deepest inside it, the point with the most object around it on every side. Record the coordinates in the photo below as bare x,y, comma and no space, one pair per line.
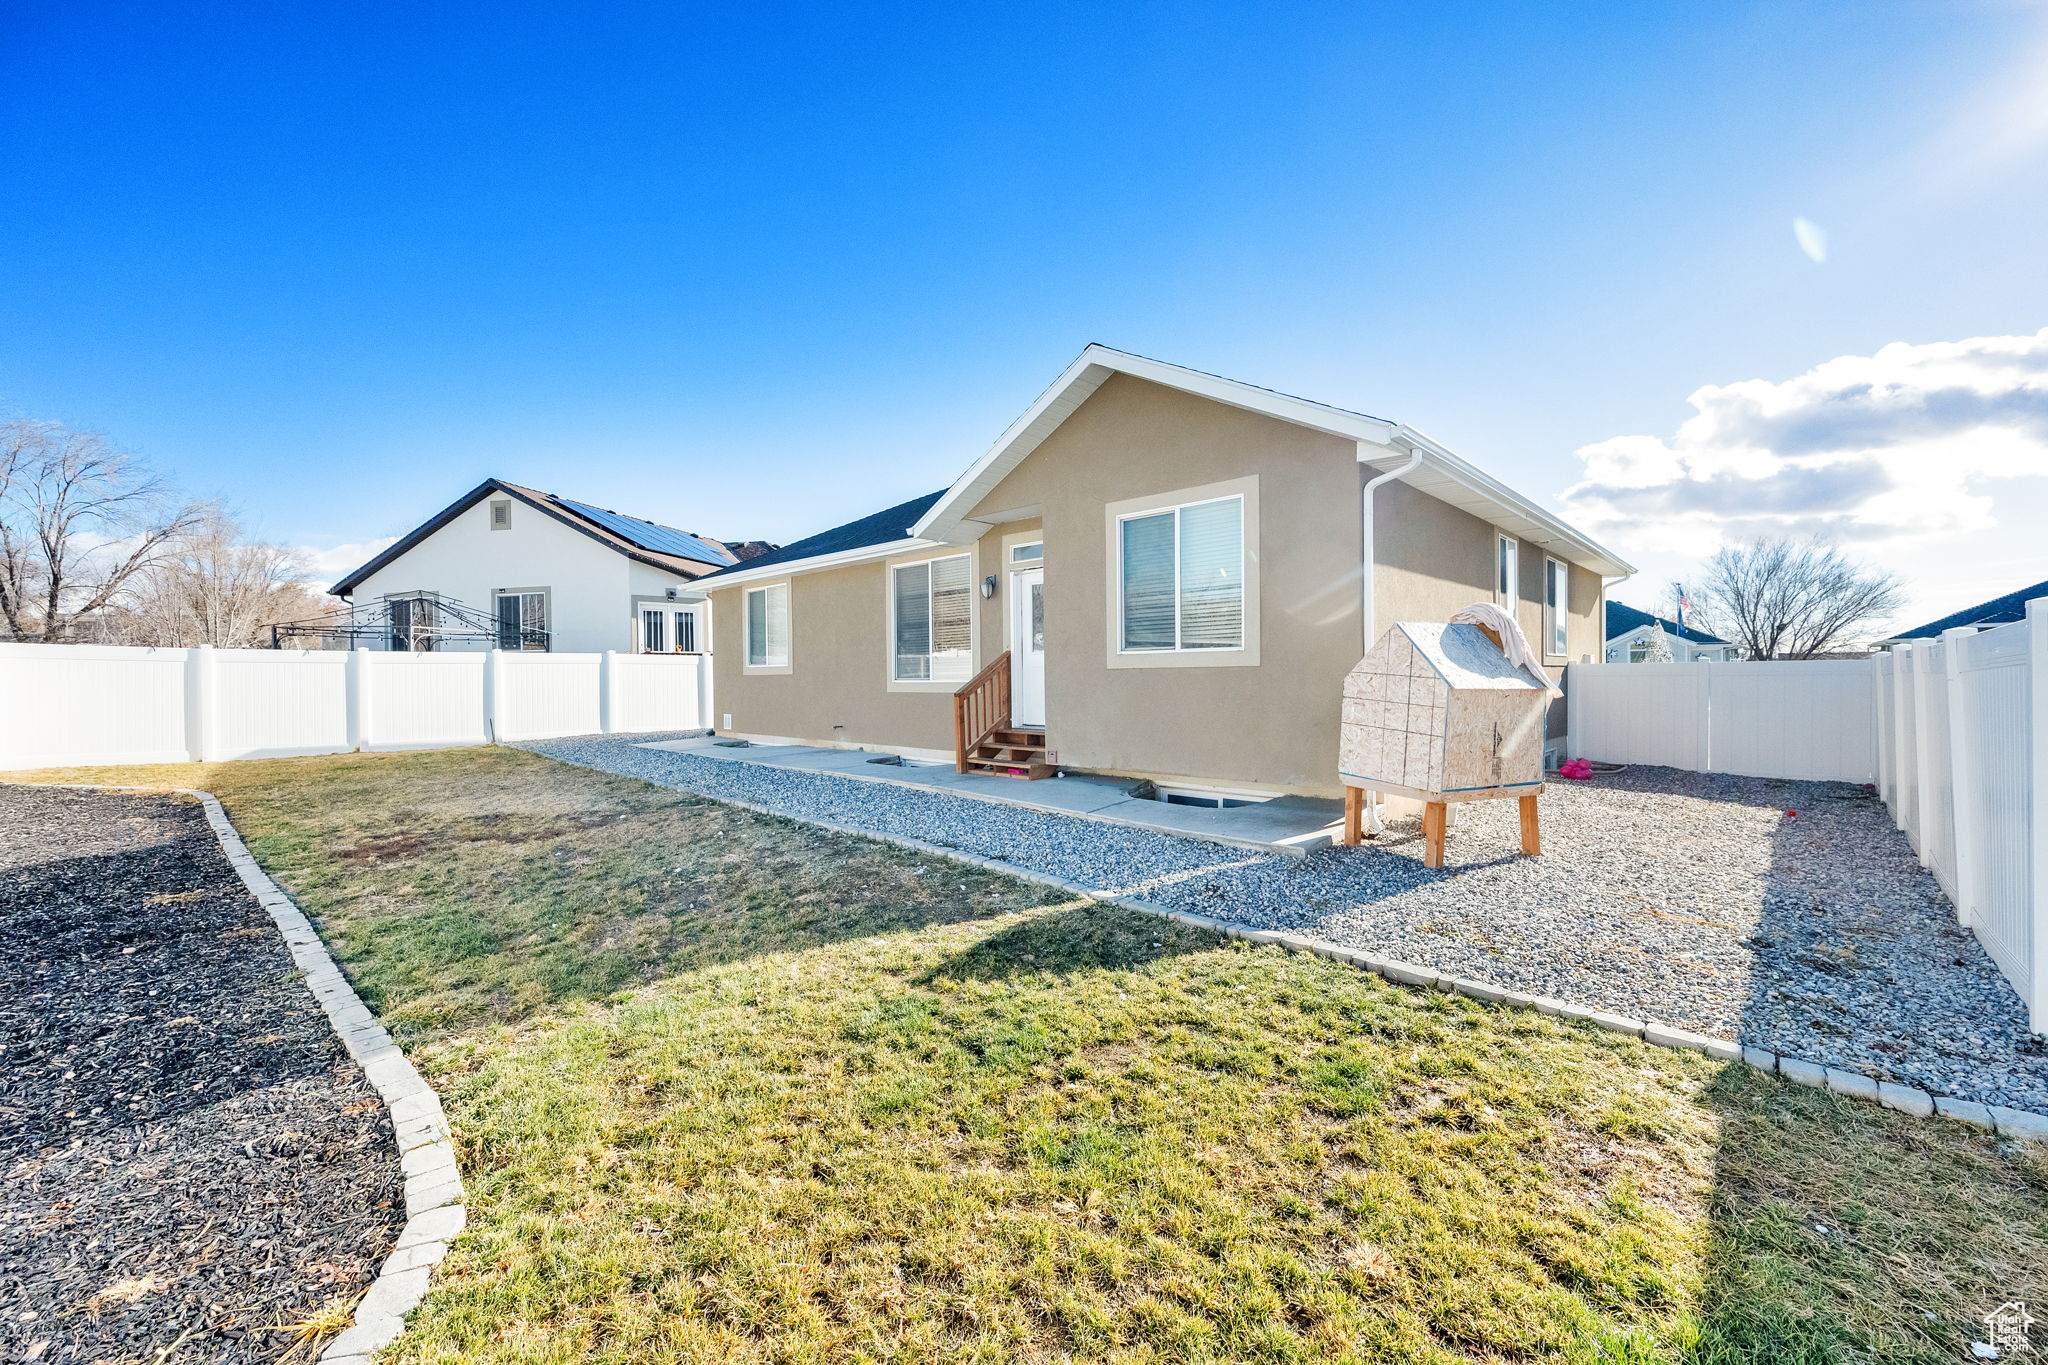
1812,239
333,561
1887,448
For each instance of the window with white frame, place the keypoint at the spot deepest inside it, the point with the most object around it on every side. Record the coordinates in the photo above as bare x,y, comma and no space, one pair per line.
767,620
668,629
1180,578
931,620
1506,585
1557,596
522,618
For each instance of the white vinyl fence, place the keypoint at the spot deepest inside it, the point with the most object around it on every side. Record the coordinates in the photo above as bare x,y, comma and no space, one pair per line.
1813,720
1963,742
1953,732
76,705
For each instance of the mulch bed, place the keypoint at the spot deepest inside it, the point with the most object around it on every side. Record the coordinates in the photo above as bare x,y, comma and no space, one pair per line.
188,1158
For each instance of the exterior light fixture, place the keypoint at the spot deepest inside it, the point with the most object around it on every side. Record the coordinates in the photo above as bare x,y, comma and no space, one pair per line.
988,586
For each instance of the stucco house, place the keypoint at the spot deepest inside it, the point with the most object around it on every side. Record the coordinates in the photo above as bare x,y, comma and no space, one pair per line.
516,568
1154,572
1637,637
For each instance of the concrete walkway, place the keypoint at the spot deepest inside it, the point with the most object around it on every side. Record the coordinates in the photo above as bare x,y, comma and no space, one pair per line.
1286,824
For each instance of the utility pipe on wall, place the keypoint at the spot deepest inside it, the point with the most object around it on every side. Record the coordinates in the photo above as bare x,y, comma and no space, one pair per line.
1366,562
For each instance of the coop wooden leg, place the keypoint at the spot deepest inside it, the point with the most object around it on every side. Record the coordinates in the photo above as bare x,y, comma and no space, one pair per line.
1354,815
1532,837
1433,834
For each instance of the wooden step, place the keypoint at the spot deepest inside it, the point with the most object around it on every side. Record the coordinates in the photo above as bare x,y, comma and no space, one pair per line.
1031,770
1013,739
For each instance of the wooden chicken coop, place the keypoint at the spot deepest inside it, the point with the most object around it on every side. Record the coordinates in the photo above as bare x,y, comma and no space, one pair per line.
1439,713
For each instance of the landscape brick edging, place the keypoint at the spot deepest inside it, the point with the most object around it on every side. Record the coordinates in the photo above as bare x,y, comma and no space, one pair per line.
1906,1099
434,1212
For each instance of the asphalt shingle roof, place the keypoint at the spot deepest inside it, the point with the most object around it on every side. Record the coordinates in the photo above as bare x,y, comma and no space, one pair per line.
1999,611
1621,618
878,528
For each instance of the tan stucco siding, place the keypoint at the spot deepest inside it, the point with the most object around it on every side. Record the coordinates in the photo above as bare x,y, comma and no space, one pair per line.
837,687
1272,724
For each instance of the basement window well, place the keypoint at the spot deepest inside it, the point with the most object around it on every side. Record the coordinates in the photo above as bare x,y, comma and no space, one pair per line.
1208,798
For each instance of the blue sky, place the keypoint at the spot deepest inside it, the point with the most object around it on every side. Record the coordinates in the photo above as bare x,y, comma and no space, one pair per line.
758,269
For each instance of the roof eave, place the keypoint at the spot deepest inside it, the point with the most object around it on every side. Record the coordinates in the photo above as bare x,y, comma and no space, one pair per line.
813,563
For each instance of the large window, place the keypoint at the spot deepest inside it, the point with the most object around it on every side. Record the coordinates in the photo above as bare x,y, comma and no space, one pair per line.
931,610
1181,578
1556,606
523,619
768,626
1506,586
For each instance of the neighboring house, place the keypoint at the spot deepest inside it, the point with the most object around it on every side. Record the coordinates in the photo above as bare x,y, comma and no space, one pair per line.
1999,611
1171,572
521,569
1636,637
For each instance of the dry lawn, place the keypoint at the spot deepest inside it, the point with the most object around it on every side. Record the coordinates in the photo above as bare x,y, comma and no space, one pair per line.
728,1088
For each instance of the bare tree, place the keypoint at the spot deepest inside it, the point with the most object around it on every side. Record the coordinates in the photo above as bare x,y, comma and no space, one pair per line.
212,587
79,520
1781,600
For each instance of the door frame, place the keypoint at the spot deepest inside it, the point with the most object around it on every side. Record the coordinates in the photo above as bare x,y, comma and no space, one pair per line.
1013,574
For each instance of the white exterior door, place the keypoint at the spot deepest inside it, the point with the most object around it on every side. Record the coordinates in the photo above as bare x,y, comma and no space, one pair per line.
1027,648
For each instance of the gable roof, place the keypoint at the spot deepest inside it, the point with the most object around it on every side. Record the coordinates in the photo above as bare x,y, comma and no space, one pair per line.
648,542
1384,444
941,517
1622,618
889,526
1465,659
1999,611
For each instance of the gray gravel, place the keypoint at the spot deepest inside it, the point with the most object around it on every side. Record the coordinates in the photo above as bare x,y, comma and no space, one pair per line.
1687,898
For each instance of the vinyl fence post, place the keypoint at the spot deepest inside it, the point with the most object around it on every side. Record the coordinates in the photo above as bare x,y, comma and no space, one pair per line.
1963,777
2037,794
702,662
607,682
1881,746
199,712
493,684
1703,693
1905,778
1574,713
1923,761
356,687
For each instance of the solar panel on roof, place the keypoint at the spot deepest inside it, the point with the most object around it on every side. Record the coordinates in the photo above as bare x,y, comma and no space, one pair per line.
664,540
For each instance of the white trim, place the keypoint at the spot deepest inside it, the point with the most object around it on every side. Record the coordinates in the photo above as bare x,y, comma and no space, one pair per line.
1557,615
1512,593
1443,474
947,685
1246,654
747,632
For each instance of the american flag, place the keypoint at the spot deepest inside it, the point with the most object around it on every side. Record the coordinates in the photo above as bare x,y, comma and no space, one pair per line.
1683,604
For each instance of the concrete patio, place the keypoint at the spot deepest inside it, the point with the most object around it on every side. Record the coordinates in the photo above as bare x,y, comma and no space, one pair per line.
1285,824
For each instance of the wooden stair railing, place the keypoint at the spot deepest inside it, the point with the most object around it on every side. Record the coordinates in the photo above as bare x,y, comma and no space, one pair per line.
981,708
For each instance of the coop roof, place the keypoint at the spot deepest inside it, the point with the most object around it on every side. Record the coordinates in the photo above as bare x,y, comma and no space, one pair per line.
1465,659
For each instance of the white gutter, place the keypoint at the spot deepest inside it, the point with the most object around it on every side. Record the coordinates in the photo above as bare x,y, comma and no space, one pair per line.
1366,558
1366,562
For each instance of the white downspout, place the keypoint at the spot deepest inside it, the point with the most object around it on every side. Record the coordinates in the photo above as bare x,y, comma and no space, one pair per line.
1366,563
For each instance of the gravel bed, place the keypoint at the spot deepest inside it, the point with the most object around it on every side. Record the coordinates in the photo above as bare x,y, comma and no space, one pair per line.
188,1159
1790,915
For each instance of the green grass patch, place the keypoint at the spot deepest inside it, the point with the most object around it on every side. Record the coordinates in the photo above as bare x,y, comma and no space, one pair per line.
731,1088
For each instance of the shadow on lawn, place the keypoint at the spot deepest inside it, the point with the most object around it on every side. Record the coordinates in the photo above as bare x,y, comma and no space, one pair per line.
1081,937
1839,1230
